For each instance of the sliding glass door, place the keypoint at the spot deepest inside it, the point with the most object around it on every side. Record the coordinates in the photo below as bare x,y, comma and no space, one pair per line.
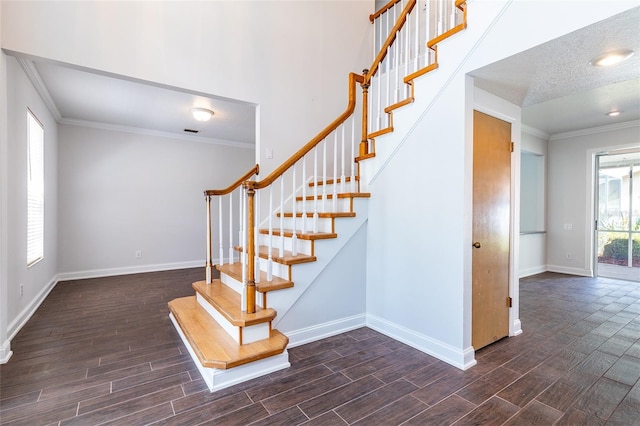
618,216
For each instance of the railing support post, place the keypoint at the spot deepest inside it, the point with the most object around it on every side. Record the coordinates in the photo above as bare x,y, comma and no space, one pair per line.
209,263
251,265
364,143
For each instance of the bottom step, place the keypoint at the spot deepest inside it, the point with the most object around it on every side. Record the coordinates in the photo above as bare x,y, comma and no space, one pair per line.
217,355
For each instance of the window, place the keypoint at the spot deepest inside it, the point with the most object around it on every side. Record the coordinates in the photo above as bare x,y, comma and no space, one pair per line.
35,190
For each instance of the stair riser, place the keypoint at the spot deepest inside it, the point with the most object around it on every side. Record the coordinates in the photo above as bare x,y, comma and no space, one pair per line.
304,246
339,187
324,224
342,205
250,334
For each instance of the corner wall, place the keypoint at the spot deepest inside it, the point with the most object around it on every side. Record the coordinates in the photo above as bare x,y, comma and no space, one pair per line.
40,278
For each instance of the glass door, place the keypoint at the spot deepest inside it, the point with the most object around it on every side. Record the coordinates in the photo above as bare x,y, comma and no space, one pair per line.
618,216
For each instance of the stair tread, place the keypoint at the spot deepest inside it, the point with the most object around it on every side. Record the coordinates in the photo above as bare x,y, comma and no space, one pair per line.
340,195
235,271
322,215
332,181
301,236
210,342
228,302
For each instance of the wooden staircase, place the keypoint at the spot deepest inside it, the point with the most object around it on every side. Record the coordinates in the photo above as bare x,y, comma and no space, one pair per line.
232,346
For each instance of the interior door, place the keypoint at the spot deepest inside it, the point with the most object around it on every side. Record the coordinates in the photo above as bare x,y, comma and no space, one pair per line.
491,227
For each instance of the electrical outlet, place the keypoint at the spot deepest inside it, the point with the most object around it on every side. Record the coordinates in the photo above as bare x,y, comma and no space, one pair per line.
138,254
21,291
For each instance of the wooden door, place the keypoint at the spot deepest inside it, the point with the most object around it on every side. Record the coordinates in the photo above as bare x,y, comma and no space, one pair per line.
491,223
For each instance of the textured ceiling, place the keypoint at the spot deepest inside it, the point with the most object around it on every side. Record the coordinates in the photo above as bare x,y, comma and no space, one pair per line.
558,89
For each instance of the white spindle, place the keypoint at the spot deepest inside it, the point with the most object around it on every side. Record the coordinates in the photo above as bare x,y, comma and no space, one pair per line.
243,245
294,237
416,43
304,194
231,253
335,169
407,37
315,189
440,17
256,238
324,175
342,175
270,244
427,29
220,246
353,154
281,216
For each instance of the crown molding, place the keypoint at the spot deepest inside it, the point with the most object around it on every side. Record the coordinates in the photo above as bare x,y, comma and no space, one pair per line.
34,76
594,130
535,132
157,133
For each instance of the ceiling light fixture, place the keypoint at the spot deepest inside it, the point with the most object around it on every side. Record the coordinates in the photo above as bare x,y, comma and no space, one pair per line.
611,58
201,114
614,113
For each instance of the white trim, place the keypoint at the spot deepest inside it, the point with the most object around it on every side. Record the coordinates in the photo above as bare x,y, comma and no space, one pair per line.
32,73
126,270
593,130
535,132
328,329
159,133
570,271
5,352
532,271
462,359
16,325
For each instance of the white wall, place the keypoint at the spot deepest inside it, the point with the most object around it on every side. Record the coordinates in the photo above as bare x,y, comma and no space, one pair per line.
571,193
5,343
291,58
39,278
419,241
533,246
123,192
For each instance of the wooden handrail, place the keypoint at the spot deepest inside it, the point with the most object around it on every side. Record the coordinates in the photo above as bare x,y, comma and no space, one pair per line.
254,171
389,41
353,78
383,9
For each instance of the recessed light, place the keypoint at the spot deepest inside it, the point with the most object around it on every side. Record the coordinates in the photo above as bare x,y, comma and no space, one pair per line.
201,114
611,58
614,113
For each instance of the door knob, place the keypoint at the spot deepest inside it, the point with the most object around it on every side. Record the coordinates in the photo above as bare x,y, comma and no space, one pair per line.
477,244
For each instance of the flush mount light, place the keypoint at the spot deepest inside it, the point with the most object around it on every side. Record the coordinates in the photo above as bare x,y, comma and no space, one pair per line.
614,113
611,58
201,114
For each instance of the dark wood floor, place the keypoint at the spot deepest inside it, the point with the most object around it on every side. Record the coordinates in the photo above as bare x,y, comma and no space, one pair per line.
103,351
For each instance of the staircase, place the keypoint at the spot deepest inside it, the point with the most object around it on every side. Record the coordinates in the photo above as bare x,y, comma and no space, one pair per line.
312,208
229,344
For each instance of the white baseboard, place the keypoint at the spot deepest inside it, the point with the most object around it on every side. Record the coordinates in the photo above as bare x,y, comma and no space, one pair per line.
321,331
532,271
14,326
460,358
570,271
5,352
127,270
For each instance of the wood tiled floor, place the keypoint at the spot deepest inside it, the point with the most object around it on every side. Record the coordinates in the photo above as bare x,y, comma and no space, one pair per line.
103,351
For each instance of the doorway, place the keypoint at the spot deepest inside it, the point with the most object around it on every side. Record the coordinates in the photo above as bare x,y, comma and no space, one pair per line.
491,229
617,230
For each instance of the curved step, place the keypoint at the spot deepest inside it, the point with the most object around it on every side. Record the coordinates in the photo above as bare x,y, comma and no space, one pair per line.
212,345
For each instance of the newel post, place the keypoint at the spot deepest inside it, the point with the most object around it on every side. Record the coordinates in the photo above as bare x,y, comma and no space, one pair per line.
251,247
209,262
364,143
